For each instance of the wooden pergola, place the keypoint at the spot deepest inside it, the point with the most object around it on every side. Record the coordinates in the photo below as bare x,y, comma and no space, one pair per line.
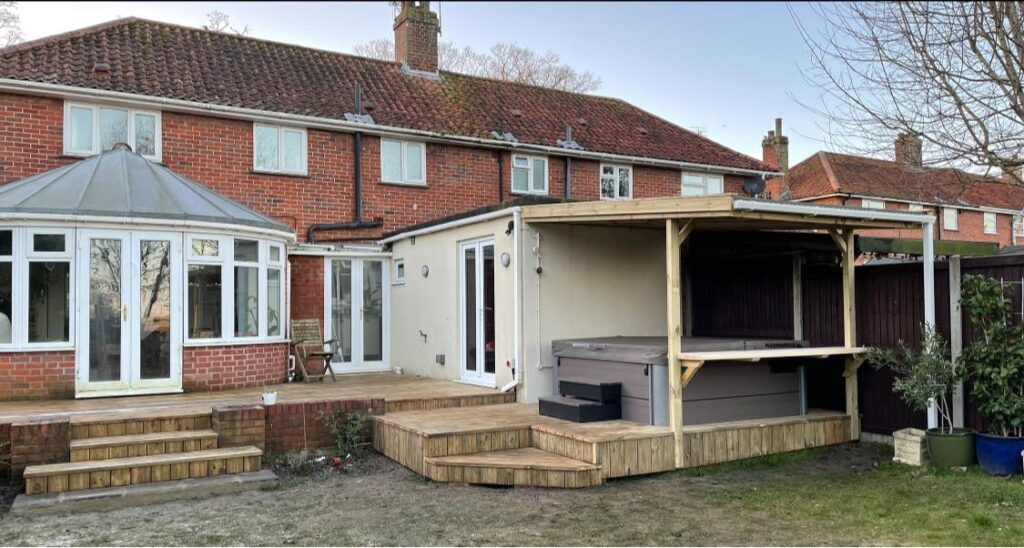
681,216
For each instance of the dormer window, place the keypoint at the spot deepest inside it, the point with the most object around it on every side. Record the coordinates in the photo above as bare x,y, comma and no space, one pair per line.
92,129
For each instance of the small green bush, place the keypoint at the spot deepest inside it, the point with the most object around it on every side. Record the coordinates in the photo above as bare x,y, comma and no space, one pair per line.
350,432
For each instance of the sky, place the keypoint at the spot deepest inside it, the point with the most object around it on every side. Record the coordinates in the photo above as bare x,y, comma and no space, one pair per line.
727,69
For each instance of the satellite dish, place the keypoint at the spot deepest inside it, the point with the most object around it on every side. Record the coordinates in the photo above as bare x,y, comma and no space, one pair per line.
754,186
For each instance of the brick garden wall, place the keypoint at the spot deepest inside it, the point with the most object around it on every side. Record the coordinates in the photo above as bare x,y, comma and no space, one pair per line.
37,375
39,442
222,367
294,426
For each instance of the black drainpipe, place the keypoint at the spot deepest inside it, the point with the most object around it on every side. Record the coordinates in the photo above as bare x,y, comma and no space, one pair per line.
357,165
568,178
501,176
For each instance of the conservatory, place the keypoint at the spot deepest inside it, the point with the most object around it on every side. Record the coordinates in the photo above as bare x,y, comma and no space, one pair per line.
118,276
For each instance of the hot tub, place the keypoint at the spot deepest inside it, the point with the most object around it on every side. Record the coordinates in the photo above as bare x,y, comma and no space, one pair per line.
721,391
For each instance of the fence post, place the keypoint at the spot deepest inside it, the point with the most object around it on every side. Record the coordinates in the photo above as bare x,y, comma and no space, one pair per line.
956,340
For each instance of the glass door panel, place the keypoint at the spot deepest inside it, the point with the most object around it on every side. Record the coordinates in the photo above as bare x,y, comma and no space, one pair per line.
108,311
357,313
341,308
469,309
477,300
155,309
487,286
372,309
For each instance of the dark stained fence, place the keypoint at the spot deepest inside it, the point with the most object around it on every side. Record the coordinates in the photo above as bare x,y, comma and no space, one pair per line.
749,298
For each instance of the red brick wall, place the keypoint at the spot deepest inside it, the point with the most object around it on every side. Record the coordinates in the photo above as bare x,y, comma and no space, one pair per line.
293,426
42,441
37,375
239,425
307,291
221,367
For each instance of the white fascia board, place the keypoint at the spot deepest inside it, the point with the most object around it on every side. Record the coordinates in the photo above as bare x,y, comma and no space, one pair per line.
99,221
906,201
832,211
507,212
329,124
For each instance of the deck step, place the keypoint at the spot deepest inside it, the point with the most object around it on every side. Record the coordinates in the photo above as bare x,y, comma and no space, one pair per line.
149,422
139,445
97,474
588,389
514,467
579,410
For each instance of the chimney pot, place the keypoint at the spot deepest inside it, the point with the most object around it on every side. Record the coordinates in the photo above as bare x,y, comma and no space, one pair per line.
416,31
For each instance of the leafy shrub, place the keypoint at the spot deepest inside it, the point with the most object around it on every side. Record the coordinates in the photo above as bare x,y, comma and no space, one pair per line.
995,361
350,433
925,376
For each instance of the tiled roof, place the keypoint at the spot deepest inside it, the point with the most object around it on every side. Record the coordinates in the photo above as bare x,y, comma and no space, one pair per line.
162,60
832,173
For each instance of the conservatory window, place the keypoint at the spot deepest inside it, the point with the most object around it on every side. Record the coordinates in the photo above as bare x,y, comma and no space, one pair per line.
6,285
49,286
275,294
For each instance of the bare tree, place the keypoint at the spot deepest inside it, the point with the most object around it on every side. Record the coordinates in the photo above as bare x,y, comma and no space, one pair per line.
509,61
10,23
219,21
950,72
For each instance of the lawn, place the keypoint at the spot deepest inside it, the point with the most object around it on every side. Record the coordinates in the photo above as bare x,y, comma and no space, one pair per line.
841,495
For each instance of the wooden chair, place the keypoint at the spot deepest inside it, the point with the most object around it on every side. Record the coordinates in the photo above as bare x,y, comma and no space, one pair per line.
308,345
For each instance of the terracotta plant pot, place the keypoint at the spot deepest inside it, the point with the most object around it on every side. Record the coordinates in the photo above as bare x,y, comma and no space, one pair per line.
946,450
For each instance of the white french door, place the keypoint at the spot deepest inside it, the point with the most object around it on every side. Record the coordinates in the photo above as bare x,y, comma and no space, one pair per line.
356,306
129,307
476,311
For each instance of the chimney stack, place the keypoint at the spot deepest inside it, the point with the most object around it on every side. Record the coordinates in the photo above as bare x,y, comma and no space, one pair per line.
908,149
416,30
775,148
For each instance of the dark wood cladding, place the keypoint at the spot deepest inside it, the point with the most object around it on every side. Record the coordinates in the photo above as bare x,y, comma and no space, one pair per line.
743,298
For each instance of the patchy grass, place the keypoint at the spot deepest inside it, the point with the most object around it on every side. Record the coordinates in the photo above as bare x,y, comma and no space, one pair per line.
846,495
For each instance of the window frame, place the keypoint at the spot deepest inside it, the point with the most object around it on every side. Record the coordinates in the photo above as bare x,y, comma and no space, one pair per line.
16,282
705,179
20,258
397,279
872,203
404,168
616,167
281,130
157,115
985,216
916,208
955,225
530,159
228,263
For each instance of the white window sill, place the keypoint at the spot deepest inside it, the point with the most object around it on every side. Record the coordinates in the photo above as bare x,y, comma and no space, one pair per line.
283,173
200,343
530,192
398,282
63,347
405,183
73,154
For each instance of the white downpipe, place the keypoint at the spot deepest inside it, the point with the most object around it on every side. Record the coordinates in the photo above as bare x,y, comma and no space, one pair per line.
928,255
517,305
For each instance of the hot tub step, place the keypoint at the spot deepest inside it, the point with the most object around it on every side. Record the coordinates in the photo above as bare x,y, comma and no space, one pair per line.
579,410
588,389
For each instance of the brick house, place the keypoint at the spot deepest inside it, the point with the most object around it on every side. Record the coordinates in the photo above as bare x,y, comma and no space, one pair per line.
967,207
331,151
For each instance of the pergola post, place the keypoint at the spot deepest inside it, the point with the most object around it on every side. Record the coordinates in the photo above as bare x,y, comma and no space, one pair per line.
674,317
844,240
928,266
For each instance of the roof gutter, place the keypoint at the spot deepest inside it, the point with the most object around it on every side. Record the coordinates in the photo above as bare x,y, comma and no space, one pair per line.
831,211
846,195
189,225
330,124
513,211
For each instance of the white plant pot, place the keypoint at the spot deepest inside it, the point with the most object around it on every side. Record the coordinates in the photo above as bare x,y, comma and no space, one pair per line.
269,398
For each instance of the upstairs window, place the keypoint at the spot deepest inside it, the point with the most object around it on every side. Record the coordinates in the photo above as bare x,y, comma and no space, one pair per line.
1018,227
403,162
92,129
916,208
868,203
278,149
949,219
529,174
616,182
700,184
990,223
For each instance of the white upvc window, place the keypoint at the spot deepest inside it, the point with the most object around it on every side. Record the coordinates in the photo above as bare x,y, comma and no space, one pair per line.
949,219
868,203
91,129
529,174
36,293
616,182
1018,227
399,277
702,184
279,149
915,207
403,162
989,220
235,289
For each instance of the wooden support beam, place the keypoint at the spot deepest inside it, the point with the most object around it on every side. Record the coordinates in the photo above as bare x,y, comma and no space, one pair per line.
838,239
690,368
852,408
849,291
956,336
673,231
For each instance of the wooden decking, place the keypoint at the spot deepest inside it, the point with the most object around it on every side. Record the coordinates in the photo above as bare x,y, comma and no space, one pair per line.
400,392
488,445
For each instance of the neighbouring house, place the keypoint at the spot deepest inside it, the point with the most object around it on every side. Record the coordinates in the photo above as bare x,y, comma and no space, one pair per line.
253,180
968,207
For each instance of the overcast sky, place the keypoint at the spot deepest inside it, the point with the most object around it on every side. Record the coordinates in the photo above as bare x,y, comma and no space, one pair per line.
726,68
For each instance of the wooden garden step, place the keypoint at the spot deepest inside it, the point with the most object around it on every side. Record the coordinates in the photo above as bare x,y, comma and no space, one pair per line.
520,467
102,425
95,474
139,445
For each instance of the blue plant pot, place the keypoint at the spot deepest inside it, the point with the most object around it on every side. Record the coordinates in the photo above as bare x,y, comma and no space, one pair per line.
998,455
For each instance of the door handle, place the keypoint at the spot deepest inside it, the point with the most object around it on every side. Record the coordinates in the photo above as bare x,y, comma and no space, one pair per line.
124,312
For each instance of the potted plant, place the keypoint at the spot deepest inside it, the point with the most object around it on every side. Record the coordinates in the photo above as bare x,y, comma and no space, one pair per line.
995,369
927,377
